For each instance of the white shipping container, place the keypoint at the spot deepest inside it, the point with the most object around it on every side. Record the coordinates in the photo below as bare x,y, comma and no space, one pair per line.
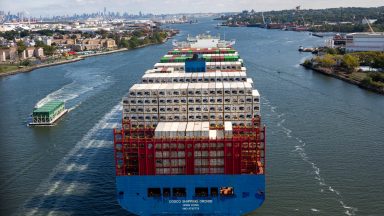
212,134
228,129
205,129
158,130
189,129
197,129
181,129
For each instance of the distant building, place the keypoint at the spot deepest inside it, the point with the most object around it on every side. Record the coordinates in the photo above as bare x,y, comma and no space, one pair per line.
95,44
108,43
38,52
3,56
30,51
47,41
23,55
364,42
8,54
63,41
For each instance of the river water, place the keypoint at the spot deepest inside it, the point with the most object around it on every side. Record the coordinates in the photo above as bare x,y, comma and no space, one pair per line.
325,137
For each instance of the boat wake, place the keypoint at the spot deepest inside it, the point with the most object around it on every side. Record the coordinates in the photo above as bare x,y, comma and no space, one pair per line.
299,148
78,90
65,181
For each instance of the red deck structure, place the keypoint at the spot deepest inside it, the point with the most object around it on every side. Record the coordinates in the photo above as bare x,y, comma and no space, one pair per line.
138,152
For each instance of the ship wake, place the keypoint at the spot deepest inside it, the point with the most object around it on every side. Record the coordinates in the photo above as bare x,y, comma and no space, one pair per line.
299,148
81,87
66,181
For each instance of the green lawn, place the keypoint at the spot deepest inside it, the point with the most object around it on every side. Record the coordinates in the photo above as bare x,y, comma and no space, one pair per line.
358,76
6,68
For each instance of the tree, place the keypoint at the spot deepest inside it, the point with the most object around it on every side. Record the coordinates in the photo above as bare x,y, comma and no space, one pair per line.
24,33
49,50
133,42
138,33
20,46
325,61
350,62
39,43
378,61
26,63
124,43
103,33
307,63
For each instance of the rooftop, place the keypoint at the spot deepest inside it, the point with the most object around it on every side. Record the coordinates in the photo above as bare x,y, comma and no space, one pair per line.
49,107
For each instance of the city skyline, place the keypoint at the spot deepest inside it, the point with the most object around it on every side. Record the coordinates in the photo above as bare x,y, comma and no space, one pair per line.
70,7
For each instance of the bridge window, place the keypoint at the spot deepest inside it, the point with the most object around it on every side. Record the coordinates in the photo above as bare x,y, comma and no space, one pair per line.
179,192
201,192
227,191
154,192
214,191
166,192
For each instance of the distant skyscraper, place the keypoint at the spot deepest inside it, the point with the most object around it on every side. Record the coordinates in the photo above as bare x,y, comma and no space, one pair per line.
140,14
105,10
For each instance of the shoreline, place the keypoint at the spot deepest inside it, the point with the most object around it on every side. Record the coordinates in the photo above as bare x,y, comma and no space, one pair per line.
342,77
79,58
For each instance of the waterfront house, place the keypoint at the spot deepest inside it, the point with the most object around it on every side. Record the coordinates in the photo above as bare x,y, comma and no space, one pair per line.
108,43
64,41
30,51
47,41
38,52
2,55
8,54
23,55
95,44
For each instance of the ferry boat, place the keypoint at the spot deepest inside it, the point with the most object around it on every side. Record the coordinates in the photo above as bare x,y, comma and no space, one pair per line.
191,140
48,114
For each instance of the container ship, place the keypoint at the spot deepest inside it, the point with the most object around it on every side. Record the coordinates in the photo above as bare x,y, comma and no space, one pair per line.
191,140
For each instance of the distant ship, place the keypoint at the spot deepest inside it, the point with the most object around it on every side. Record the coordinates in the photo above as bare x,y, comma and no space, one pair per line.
191,140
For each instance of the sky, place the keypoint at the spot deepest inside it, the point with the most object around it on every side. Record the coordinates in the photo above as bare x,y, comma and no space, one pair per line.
69,7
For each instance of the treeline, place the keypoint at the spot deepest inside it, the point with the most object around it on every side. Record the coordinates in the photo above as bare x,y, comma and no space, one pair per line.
374,79
140,38
318,17
348,62
10,35
337,64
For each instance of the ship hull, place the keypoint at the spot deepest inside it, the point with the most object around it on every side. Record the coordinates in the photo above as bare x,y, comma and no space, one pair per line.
249,194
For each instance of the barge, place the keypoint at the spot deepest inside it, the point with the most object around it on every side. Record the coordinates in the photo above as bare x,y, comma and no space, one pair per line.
48,114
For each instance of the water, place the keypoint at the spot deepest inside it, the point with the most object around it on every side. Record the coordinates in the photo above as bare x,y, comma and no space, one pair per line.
325,136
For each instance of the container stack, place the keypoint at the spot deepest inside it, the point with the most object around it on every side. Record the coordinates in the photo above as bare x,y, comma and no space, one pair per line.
196,121
179,67
214,102
191,51
207,57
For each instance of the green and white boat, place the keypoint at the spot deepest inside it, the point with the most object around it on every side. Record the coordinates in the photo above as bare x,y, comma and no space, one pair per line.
48,114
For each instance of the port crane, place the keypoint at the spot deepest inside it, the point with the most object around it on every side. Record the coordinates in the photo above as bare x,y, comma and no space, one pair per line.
369,25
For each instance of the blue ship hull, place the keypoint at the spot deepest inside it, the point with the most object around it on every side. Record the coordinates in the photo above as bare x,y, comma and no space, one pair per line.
249,194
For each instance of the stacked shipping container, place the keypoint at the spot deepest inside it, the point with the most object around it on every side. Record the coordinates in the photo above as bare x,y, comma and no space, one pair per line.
192,123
